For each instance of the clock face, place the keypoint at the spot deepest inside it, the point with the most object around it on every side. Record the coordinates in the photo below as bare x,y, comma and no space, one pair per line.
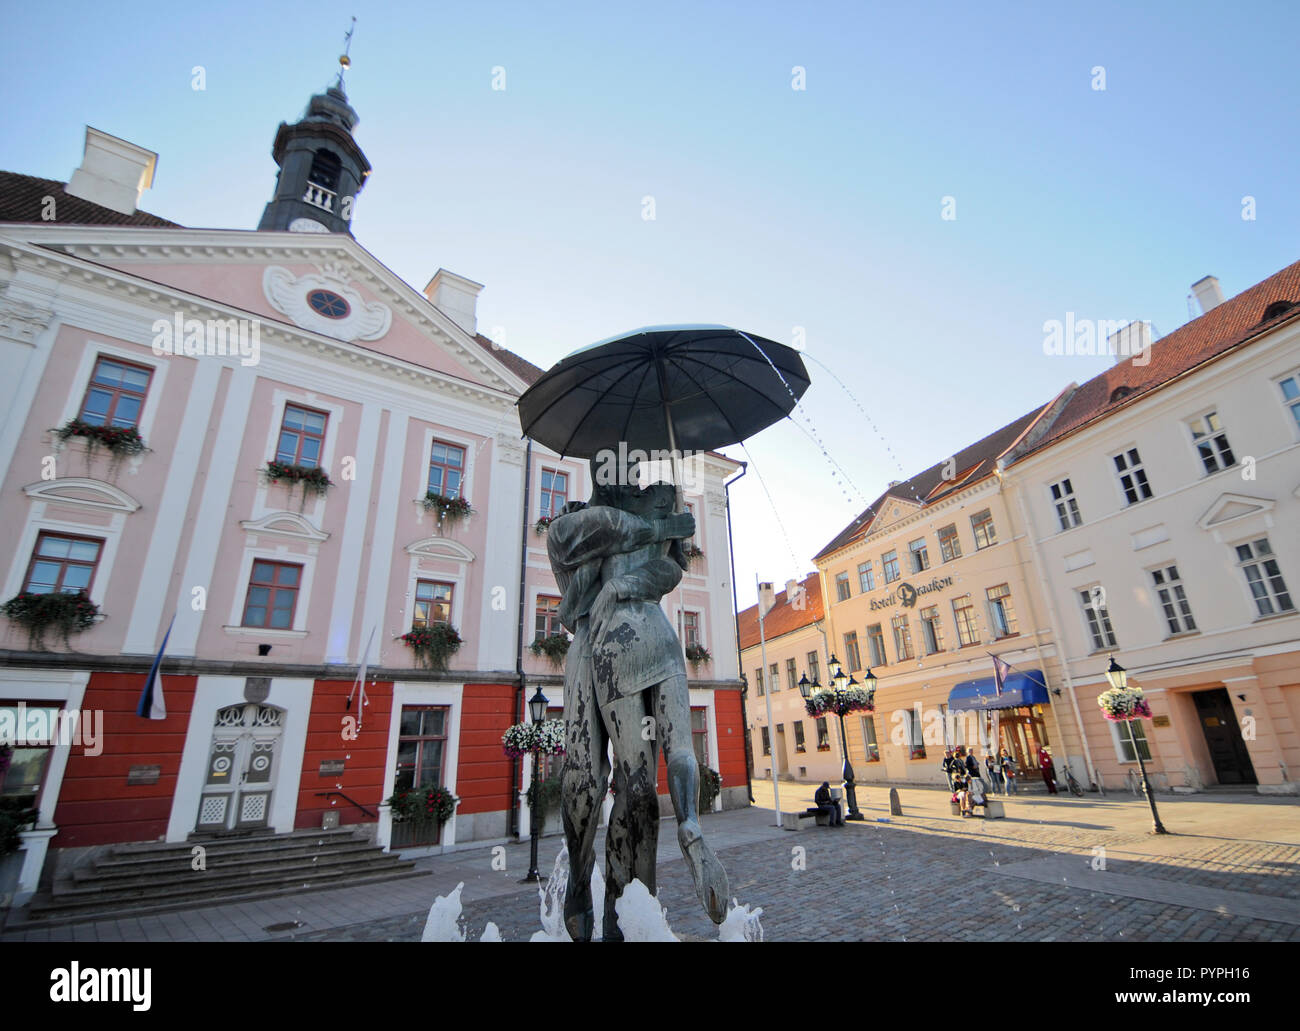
306,225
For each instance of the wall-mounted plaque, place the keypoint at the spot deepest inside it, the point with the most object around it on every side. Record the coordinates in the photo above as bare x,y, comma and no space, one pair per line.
1159,721
143,774
256,689
331,767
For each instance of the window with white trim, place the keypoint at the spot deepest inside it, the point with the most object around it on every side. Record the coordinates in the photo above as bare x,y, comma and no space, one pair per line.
1290,387
1097,618
1132,477
1168,586
842,588
1067,507
963,614
866,577
1264,577
949,545
1211,441
775,678
1001,611
876,644
931,630
920,559
869,745
1130,736
853,659
902,637
981,523
889,563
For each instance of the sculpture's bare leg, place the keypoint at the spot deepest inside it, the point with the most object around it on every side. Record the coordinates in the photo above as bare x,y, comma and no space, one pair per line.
672,699
633,835
584,779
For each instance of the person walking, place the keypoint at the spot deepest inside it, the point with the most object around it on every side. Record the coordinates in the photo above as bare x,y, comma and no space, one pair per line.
1048,767
1008,763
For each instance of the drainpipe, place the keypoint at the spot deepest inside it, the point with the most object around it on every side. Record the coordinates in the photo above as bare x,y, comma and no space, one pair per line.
1032,533
735,615
517,766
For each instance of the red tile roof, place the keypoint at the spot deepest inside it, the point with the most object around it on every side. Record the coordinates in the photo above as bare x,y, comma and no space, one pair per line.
22,199
1207,338
784,617
521,367
971,464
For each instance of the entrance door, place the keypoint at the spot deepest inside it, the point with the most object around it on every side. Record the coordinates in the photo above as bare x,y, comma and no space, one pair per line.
241,768
1022,733
1228,752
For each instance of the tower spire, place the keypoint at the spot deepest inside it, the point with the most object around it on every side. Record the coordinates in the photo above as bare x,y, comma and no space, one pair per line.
345,60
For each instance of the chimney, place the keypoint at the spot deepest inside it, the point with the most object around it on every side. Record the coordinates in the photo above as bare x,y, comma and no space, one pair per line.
1129,340
456,297
113,173
766,599
791,590
1208,293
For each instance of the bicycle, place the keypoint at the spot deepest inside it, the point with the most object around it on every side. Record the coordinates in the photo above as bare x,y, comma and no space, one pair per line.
1076,789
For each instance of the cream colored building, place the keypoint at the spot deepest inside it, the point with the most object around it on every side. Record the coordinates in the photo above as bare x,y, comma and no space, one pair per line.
1162,507
923,588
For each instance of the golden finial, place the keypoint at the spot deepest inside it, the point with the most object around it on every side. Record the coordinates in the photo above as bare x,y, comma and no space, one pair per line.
345,62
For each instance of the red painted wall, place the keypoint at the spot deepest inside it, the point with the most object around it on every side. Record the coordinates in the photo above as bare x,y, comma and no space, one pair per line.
731,738
483,778
364,756
96,806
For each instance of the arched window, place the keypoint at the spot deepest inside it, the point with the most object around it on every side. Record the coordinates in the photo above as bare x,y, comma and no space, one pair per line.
325,169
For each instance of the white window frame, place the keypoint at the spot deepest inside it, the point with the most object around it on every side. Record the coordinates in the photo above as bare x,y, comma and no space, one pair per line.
1069,500
884,567
1290,409
1162,569
931,629
1084,596
992,523
1117,739
1210,437
1128,471
884,655
1241,564
922,553
956,539
842,578
866,577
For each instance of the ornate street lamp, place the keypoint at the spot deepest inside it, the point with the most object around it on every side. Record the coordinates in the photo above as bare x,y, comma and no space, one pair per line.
537,705
1118,677
841,702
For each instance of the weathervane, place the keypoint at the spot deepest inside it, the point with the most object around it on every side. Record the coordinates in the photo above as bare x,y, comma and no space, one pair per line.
345,62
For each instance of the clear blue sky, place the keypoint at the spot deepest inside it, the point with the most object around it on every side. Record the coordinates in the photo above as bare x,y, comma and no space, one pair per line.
775,208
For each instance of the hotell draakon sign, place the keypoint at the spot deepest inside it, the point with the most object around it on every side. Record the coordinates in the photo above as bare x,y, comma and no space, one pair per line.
905,594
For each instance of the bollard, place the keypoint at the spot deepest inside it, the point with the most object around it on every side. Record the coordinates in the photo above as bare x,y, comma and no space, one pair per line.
895,807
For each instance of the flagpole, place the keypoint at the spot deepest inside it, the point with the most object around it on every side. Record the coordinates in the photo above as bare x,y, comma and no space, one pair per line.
767,697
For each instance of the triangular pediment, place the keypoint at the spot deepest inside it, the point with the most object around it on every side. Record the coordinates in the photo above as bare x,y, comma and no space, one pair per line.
1228,507
82,493
892,510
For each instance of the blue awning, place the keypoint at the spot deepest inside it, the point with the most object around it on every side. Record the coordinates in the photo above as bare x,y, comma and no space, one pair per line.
1022,687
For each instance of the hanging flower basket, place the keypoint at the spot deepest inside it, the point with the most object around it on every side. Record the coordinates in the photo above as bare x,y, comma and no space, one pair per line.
540,527
555,648
521,738
1122,704
37,613
841,703
433,645
119,441
450,510
697,655
692,553
312,477
422,805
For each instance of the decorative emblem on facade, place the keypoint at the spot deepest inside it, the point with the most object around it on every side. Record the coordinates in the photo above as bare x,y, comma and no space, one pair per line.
22,321
325,302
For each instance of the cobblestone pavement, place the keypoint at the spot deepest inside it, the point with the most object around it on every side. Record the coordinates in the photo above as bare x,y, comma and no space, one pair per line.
1047,873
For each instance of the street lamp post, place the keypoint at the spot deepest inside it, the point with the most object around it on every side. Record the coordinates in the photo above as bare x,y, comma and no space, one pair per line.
841,682
1118,677
537,710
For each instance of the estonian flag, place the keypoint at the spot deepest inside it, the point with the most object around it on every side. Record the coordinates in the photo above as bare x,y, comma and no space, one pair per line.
1000,672
152,706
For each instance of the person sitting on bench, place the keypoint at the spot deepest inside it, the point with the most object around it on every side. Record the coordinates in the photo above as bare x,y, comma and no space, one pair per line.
827,806
976,793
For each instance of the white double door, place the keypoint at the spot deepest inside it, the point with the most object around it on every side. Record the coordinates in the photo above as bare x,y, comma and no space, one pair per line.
241,768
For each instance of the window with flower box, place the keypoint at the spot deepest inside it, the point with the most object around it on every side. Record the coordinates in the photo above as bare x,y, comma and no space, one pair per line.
62,564
823,735
302,437
915,740
421,747
546,621
555,492
272,595
432,603
446,469
691,629
799,743
116,393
